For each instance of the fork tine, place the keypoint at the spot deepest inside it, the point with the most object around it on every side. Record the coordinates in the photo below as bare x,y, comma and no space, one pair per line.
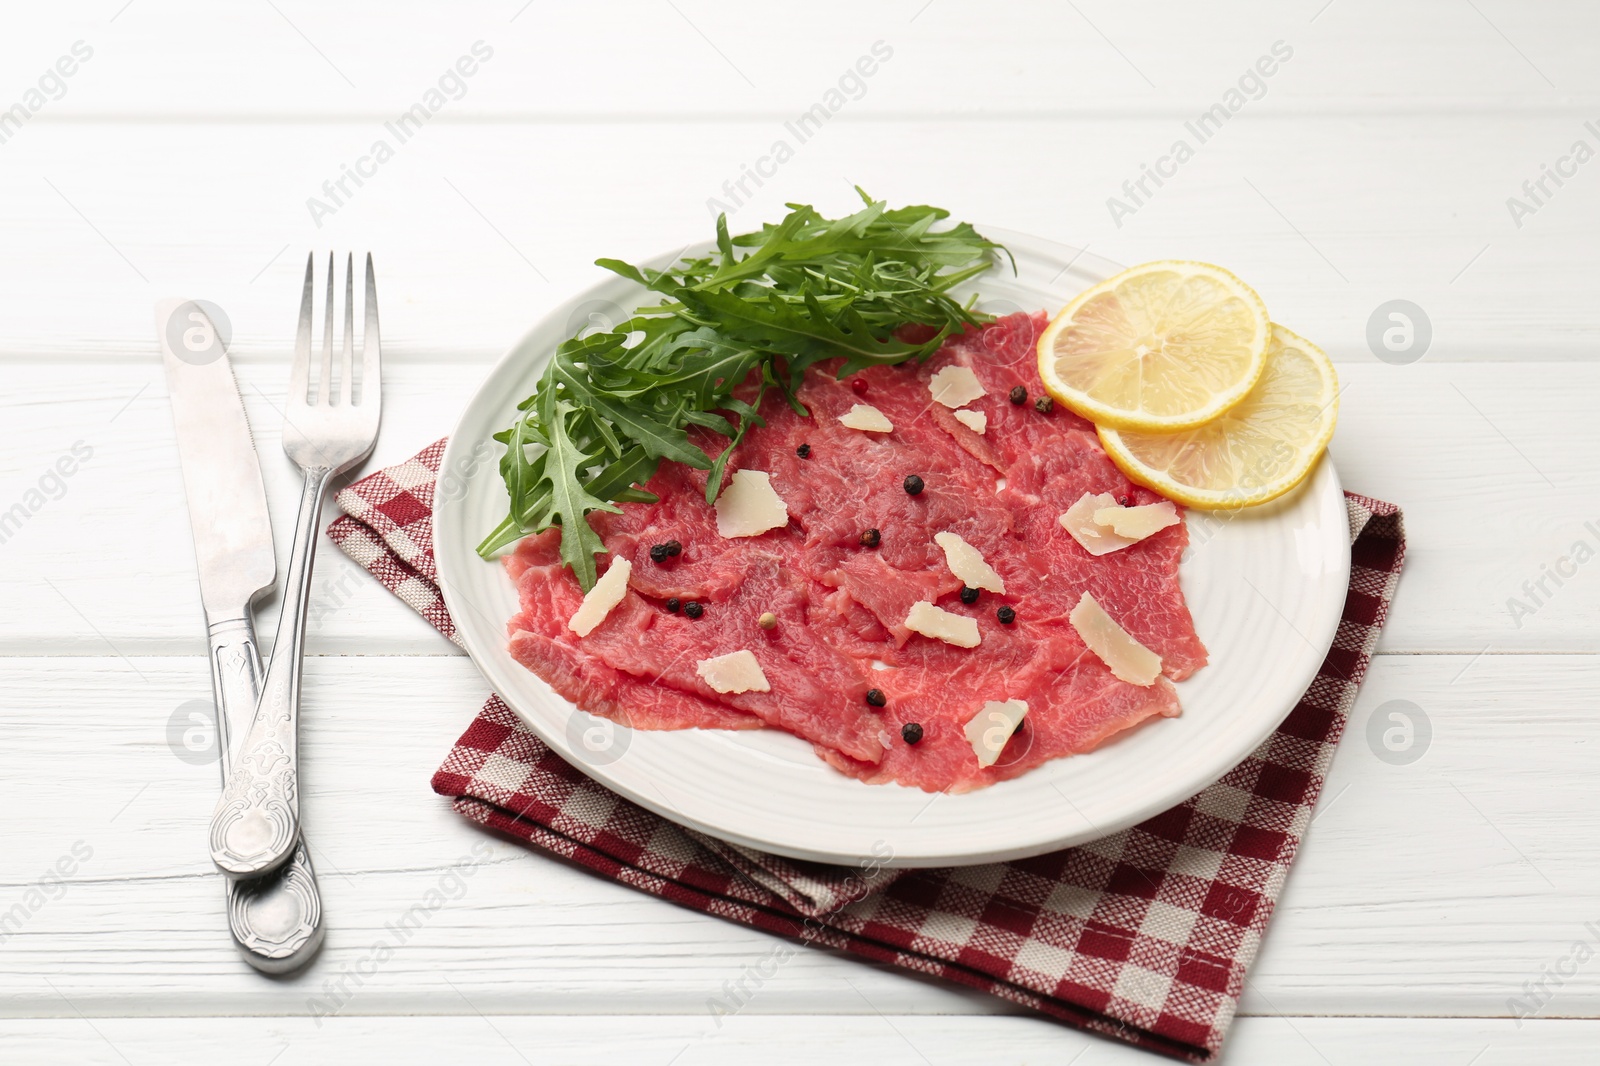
371,345
300,371
328,429
327,341
347,355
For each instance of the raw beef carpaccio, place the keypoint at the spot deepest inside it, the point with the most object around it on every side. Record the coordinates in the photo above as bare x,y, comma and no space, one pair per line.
841,604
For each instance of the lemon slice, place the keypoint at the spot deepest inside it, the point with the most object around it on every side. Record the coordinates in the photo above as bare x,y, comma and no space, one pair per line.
1256,451
1163,346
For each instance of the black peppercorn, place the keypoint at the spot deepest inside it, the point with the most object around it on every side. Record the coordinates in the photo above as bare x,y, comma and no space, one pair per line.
871,538
658,553
876,697
969,594
673,604
911,732
1006,615
693,609
804,451
1044,405
673,547
913,485
1019,395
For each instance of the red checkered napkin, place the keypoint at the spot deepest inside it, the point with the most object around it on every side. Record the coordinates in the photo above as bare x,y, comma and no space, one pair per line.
1145,935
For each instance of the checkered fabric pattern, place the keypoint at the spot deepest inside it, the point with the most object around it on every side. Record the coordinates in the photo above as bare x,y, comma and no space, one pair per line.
1144,936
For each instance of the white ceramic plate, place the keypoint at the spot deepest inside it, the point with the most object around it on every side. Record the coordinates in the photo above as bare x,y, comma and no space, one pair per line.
1266,588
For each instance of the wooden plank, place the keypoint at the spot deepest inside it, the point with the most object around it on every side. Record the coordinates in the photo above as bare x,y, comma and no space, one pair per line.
1434,888
717,58
479,229
1479,454
889,1039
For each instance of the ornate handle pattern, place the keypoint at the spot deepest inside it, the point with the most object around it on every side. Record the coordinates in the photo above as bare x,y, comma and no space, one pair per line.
276,921
257,821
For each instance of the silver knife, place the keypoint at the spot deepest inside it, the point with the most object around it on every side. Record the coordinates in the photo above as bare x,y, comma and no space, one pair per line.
276,921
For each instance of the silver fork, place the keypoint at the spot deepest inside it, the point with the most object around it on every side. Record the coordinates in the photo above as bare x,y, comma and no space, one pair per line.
257,820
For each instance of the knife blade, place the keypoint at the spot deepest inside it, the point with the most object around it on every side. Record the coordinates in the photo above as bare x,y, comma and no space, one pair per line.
275,921
221,476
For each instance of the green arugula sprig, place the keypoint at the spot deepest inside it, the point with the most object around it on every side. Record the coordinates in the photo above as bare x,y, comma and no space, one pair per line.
766,306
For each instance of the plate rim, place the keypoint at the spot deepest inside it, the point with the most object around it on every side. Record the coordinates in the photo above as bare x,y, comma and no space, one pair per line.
490,666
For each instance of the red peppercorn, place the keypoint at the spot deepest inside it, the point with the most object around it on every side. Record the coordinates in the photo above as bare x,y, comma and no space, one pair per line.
859,384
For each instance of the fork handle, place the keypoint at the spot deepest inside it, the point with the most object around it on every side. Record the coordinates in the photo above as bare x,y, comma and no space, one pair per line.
276,921
257,821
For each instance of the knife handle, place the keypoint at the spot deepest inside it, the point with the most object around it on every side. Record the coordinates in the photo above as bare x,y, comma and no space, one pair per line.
275,921
257,820
235,678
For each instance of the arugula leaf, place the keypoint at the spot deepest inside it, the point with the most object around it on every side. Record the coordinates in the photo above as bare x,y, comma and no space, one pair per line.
658,439
757,312
570,501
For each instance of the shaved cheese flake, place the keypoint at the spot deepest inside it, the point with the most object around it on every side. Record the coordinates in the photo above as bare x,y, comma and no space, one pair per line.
737,671
992,726
750,506
864,416
967,563
976,421
1095,538
940,624
598,601
1128,659
1139,522
955,386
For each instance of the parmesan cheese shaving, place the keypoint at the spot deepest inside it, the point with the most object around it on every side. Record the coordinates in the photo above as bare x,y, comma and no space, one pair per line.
992,726
955,386
940,624
1095,538
1138,523
750,506
968,564
737,671
864,416
976,421
598,601
1128,659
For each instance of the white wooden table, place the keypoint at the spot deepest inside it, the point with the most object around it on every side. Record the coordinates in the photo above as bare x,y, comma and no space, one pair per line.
177,159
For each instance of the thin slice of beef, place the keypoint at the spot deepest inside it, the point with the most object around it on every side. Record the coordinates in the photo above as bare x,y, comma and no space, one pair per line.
886,591
541,641
1074,705
817,692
